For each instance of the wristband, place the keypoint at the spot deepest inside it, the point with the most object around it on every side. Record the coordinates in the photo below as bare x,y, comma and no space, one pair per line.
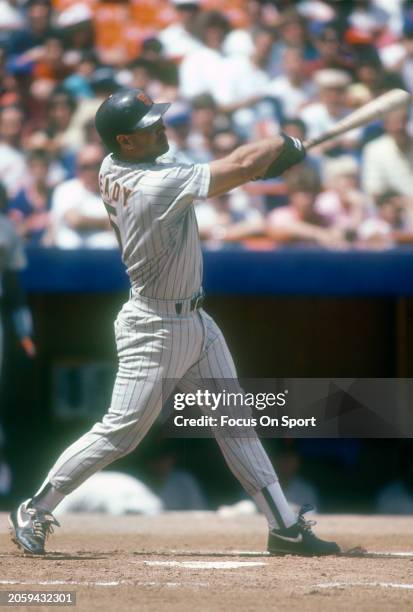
293,152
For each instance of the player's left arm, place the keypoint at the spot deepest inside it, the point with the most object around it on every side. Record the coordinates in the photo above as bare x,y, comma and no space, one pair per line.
264,159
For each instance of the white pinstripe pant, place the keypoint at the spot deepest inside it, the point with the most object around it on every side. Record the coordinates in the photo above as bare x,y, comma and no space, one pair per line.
154,343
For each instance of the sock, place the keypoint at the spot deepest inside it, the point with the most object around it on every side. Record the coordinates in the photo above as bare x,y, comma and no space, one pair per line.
272,503
47,498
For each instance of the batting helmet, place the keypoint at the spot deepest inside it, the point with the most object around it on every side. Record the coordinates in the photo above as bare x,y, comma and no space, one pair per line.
125,112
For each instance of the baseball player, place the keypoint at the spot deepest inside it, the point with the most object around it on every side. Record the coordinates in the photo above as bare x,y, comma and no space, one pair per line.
12,260
162,332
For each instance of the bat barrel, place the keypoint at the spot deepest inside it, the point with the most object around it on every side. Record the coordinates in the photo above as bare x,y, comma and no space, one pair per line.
373,110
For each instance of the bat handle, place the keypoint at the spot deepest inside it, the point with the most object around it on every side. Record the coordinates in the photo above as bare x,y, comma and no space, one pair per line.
312,142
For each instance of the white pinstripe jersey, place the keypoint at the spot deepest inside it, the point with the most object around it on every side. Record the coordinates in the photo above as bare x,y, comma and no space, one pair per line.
150,207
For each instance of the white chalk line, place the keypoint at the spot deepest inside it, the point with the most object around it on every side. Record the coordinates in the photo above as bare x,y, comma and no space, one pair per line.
100,583
204,564
342,585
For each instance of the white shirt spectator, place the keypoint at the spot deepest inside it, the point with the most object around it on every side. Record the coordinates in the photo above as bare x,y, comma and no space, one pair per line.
394,10
317,119
10,18
12,169
238,43
177,42
369,19
292,97
198,72
239,80
396,58
73,194
386,168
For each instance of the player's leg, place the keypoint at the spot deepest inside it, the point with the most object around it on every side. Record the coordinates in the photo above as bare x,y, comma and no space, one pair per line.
148,353
245,454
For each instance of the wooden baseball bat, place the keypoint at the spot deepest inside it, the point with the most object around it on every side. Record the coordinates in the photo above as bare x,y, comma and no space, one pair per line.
389,101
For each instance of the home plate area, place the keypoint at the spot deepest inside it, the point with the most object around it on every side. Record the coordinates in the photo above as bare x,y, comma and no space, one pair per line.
201,561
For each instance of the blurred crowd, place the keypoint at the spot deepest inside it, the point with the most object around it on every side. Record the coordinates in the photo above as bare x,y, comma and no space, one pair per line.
236,71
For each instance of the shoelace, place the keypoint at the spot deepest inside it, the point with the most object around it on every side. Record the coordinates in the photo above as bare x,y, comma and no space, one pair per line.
42,527
306,524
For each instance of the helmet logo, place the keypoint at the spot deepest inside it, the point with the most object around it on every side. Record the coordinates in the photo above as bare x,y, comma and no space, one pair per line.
144,98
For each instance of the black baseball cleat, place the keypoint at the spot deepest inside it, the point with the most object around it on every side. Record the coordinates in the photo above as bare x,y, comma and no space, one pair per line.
299,539
30,527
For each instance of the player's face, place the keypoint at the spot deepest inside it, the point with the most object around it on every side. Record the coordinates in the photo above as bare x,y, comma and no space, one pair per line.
147,144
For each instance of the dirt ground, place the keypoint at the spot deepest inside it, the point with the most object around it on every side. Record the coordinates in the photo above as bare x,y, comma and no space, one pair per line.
200,561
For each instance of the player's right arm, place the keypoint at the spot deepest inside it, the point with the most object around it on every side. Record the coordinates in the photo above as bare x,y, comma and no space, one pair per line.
263,159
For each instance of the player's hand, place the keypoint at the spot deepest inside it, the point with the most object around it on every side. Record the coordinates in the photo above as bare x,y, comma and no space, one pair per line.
28,346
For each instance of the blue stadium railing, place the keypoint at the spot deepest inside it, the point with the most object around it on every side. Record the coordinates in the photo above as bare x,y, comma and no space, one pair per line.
290,271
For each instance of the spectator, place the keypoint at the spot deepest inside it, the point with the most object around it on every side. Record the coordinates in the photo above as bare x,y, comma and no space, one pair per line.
103,83
178,39
296,128
259,14
75,23
243,80
141,74
61,108
387,226
12,260
78,218
12,162
178,122
332,52
62,166
368,19
321,115
50,67
78,83
233,216
205,122
11,21
38,14
293,33
398,57
29,210
199,69
388,160
292,88
299,221
342,204
369,71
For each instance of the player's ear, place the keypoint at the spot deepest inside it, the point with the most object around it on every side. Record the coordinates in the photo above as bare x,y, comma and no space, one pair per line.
124,141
